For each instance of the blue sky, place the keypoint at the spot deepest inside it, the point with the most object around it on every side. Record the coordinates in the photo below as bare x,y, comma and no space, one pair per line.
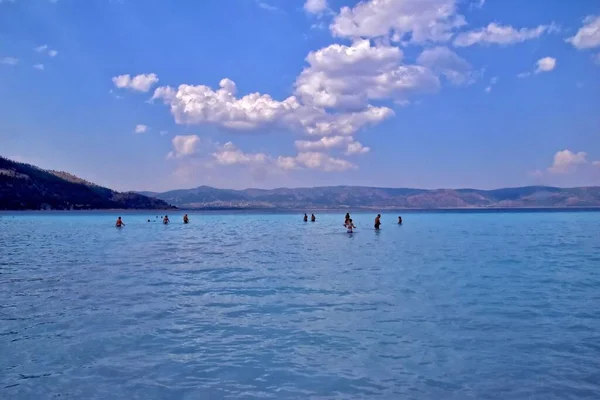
245,93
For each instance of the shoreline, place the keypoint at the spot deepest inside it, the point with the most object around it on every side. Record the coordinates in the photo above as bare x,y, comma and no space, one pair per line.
309,209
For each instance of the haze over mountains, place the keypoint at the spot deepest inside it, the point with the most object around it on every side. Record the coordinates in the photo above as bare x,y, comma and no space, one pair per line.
356,197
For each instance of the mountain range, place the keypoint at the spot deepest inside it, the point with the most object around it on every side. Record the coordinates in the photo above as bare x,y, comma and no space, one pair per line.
26,187
357,197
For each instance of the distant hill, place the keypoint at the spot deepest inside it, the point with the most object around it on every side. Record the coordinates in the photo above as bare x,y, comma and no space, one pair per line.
356,197
26,187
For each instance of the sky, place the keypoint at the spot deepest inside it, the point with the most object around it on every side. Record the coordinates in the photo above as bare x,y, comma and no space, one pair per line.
159,95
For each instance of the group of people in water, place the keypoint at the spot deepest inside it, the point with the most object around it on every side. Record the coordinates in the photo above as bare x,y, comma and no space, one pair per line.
348,224
165,220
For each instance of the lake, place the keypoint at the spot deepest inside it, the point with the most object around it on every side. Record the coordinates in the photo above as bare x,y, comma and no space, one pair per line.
499,305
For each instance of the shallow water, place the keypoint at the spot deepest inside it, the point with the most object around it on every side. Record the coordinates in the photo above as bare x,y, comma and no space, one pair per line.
447,306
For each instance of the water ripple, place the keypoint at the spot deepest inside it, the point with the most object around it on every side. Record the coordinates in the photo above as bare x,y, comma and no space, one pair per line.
448,306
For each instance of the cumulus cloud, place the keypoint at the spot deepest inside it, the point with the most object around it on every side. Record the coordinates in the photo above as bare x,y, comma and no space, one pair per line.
545,64
501,35
9,61
588,36
417,21
315,6
229,154
44,49
203,105
140,83
565,161
183,146
347,77
140,128
325,143
356,148
39,67
322,161
445,62
314,160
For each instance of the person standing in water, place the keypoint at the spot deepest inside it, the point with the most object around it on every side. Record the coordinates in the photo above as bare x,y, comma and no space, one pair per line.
347,219
119,223
399,220
377,221
305,218
166,219
349,225
313,218
185,219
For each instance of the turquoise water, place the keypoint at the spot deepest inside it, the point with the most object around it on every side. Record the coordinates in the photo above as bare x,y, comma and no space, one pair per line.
243,306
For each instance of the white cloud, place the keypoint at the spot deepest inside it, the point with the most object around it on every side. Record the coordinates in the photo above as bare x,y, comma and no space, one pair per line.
545,64
444,61
141,128
44,49
229,154
348,77
9,61
163,133
140,83
325,143
330,142
501,35
596,163
286,162
267,6
183,146
315,6
39,66
357,148
588,36
314,160
322,161
418,21
565,161
202,105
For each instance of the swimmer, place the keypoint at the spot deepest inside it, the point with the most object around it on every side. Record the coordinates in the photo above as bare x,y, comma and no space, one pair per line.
185,219
349,225
377,221
166,219
399,220
305,218
119,223
313,218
